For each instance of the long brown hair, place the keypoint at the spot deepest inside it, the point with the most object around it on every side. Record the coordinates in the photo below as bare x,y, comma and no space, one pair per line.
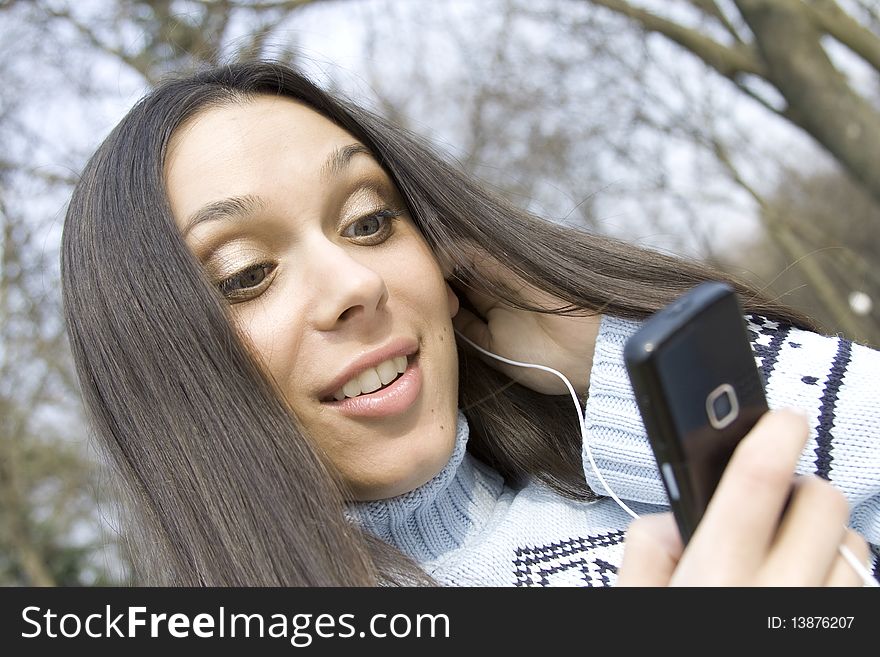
225,488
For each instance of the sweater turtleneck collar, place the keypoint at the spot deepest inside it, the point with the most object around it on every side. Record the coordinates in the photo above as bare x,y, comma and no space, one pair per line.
440,515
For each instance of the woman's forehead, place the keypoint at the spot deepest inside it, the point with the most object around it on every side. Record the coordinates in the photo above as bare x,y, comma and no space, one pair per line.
255,125
253,147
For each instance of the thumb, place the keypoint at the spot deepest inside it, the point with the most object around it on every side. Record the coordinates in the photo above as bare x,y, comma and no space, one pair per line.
652,550
477,331
472,327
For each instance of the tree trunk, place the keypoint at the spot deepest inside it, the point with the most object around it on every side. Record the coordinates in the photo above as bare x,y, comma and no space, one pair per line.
819,97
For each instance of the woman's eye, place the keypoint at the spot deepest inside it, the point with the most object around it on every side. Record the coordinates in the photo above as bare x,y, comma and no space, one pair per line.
372,229
375,224
245,280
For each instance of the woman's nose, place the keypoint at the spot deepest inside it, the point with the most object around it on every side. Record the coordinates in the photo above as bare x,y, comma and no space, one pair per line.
346,290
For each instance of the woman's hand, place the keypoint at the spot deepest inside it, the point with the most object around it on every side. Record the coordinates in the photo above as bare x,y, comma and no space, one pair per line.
565,343
748,537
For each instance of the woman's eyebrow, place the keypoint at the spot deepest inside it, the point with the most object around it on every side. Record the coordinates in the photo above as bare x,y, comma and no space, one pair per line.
234,207
238,207
341,158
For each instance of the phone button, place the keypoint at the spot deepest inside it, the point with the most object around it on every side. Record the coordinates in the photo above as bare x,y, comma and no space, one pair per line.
669,477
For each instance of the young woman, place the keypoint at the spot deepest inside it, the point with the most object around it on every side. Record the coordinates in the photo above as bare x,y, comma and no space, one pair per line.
263,287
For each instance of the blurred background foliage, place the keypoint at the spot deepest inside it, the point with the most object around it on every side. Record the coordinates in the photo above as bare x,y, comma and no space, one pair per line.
743,132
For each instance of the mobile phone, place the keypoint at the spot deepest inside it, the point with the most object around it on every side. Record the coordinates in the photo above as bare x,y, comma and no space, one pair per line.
698,390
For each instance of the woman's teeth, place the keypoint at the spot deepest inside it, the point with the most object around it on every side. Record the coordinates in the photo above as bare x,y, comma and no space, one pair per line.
372,378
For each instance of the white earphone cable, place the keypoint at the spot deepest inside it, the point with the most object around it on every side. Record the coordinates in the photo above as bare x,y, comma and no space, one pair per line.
581,419
850,558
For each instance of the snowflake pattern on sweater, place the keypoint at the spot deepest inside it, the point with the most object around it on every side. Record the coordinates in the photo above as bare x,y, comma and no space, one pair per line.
545,565
467,527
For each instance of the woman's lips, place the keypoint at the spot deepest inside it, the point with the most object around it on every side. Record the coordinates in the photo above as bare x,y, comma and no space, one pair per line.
394,399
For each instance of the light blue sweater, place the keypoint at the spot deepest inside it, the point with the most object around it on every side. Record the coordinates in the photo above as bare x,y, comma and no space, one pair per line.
466,527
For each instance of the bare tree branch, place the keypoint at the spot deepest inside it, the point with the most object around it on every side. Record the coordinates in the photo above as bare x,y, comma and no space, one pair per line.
133,62
711,9
788,53
284,5
15,504
829,17
821,100
786,239
784,113
729,61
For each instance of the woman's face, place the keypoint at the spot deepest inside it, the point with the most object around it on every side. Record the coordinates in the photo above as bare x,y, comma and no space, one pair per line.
305,234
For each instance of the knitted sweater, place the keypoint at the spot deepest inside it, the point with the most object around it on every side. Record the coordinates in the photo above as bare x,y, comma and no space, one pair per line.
467,527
